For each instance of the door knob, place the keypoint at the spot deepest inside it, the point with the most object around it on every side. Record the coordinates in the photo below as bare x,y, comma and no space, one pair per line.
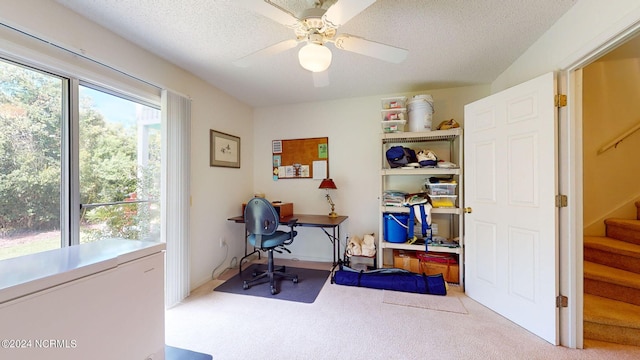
468,210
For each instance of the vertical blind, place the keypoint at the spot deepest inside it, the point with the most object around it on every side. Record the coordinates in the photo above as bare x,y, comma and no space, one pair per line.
176,116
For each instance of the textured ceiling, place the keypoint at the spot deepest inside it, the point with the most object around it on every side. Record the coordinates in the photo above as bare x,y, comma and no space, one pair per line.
451,43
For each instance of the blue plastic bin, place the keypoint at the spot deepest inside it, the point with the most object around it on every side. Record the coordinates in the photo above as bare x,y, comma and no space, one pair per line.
395,227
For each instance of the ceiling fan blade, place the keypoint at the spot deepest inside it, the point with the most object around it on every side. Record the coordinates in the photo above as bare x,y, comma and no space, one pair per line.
371,48
321,79
270,10
266,52
344,10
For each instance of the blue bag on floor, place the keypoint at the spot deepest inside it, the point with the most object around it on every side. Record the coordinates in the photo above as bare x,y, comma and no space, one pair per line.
392,279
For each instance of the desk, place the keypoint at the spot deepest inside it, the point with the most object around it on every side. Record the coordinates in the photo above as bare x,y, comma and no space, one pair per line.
304,220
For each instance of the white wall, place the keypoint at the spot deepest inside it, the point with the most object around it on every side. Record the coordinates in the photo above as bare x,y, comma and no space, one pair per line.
213,199
610,93
353,128
587,25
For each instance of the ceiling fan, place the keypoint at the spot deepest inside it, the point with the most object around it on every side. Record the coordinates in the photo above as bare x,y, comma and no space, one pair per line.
317,27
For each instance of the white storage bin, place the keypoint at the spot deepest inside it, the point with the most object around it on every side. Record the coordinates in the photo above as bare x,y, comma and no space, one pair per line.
420,111
394,102
394,114
390,126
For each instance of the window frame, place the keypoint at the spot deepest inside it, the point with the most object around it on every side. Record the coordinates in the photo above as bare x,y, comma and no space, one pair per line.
73,77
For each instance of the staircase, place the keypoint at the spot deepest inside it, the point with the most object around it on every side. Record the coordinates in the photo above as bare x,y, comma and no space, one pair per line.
612,283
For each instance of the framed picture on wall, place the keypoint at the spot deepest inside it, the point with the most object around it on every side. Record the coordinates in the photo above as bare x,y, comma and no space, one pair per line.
224,150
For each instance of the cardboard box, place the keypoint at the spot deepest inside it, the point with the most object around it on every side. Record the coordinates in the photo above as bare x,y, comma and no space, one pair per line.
283,209
409,260
440,263
451,272
406,260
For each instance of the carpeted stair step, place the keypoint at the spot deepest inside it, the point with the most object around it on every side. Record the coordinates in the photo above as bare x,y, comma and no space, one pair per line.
624,229
611,283
611,321
611,252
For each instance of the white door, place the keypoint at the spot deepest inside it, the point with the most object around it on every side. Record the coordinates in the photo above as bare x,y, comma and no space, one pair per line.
511,256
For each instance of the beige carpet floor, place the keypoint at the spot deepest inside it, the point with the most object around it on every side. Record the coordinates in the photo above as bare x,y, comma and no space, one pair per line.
355,323
450,303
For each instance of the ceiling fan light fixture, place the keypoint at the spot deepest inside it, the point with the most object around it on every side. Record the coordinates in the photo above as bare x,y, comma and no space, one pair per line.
315,57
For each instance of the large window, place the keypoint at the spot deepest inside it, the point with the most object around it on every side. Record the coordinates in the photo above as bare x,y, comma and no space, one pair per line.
117,171
119,167
31,123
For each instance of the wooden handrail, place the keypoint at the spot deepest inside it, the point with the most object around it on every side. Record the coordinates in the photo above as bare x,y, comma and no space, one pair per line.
616,141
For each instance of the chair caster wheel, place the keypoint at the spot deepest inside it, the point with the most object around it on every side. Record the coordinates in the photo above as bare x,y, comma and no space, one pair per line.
273,290
295,280
245,286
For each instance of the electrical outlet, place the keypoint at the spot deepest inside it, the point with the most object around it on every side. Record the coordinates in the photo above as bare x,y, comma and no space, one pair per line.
223,242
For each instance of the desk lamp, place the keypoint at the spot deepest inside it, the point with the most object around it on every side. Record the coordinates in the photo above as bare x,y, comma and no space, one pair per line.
329,184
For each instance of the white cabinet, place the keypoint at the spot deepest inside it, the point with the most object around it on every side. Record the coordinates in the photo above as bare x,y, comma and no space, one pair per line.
447,145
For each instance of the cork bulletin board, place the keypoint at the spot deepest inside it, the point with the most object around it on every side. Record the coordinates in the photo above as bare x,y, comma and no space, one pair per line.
301,158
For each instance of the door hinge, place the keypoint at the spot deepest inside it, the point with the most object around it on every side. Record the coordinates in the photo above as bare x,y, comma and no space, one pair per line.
560,100
562,301
561,201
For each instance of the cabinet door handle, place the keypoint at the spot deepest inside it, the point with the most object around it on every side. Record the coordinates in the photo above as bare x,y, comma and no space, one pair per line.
468,210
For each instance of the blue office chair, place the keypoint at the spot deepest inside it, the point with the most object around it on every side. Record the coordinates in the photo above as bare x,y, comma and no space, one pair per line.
261,222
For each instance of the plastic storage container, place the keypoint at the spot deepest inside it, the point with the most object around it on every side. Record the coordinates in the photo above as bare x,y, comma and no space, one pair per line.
390,126
441,188
394,102
420,111
439,201
395,227
394,114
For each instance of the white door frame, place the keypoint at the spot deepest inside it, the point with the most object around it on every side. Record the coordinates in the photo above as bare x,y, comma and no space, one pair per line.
570,181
